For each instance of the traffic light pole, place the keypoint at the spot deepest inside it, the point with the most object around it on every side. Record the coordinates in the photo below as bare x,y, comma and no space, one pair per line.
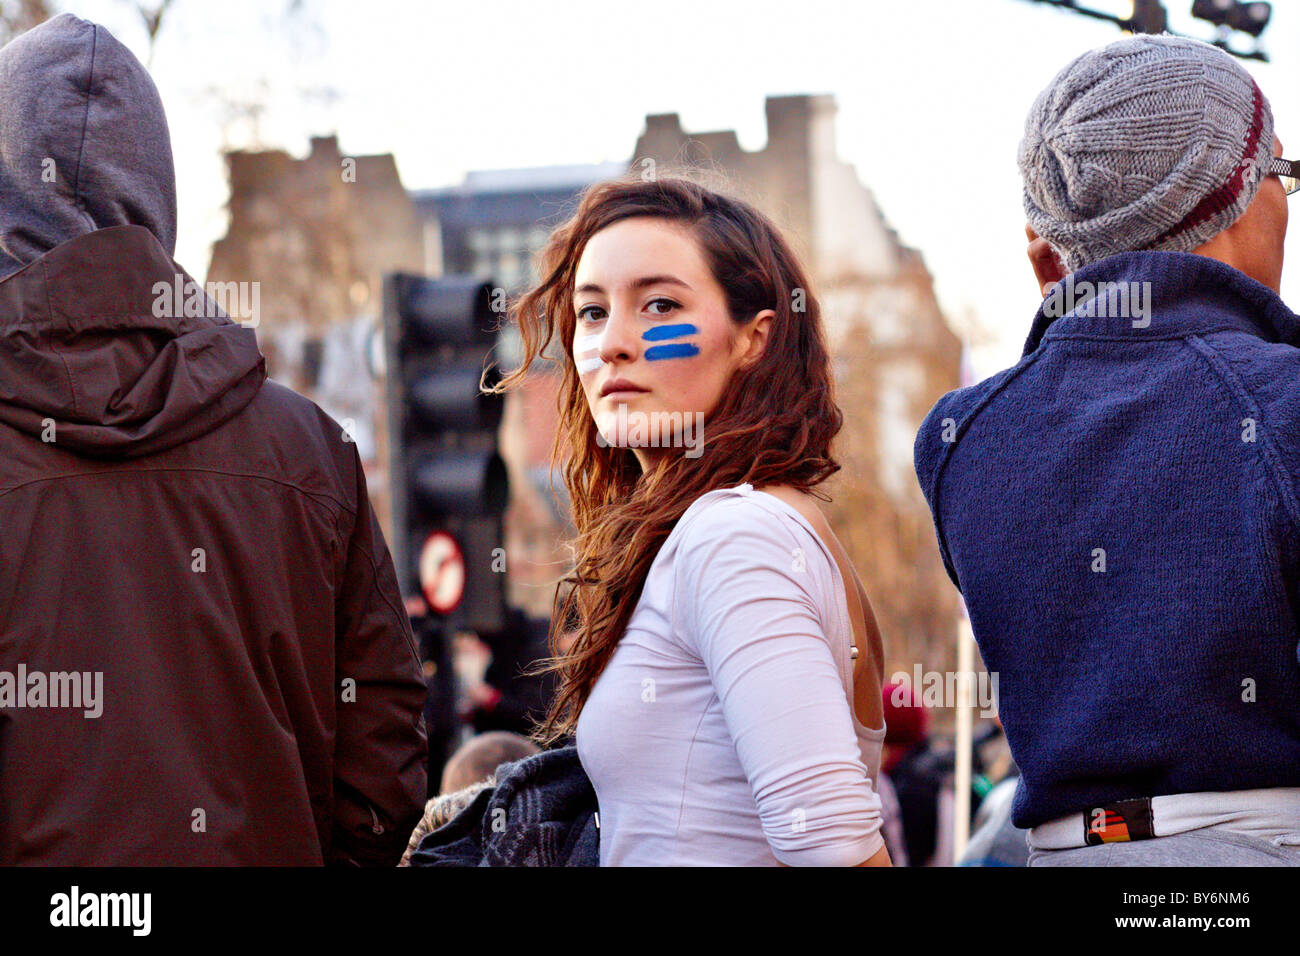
441,720
397,468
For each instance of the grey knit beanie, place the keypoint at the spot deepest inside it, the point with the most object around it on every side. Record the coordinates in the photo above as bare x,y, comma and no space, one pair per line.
1154,142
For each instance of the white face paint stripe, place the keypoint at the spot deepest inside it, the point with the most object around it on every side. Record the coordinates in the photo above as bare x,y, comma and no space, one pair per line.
586,353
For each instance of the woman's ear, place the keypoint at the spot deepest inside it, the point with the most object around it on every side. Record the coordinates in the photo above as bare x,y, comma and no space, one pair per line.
1042,257
753,337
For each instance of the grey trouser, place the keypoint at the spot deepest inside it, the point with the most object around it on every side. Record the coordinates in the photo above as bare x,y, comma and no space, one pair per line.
1216,847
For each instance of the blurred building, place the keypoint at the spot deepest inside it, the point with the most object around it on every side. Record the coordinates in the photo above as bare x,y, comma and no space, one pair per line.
317,234
493,223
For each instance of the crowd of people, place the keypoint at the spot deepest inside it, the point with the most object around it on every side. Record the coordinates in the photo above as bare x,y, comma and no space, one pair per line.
1119,511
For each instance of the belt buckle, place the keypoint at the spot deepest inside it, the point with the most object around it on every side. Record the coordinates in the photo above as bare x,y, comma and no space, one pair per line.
1118,822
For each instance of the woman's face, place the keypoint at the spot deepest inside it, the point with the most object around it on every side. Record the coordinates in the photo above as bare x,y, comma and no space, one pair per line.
650,313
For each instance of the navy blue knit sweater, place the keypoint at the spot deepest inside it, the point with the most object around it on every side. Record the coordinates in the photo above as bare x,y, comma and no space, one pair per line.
1119,510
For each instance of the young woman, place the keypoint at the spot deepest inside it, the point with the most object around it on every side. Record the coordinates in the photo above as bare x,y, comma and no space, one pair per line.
723,667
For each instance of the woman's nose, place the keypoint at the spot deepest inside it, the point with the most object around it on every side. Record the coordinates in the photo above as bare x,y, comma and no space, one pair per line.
618,340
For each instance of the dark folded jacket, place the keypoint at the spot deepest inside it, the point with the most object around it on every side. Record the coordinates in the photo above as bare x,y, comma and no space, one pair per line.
541,813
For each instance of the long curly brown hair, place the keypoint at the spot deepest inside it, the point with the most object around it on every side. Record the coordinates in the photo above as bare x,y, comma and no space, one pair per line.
773,425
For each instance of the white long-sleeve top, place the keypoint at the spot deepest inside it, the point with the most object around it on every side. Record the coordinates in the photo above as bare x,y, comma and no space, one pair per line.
722,729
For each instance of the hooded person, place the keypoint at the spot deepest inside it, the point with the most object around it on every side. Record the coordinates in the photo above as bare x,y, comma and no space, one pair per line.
204,657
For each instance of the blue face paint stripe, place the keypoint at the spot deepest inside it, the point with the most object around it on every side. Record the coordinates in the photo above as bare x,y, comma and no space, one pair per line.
669,332
673,350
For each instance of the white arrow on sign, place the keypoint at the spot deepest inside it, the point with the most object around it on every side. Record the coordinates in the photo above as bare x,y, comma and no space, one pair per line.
442,572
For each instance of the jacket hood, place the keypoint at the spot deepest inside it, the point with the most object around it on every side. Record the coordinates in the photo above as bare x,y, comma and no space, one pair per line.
83,142
110,350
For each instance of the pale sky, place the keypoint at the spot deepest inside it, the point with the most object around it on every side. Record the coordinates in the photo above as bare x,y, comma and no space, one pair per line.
932,97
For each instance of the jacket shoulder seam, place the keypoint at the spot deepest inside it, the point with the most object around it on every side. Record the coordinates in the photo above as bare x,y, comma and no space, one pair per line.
318,496
399,615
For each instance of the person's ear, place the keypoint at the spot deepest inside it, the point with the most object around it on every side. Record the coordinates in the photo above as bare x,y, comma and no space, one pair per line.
1044,260
754,337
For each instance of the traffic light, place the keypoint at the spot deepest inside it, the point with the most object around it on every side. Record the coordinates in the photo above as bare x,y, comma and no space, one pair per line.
448,481
1249,18
1149,16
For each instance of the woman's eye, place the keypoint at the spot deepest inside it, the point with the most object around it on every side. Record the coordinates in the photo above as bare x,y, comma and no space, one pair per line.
668,302
583,313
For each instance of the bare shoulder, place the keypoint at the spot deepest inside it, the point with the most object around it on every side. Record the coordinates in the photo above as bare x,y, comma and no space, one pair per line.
805,504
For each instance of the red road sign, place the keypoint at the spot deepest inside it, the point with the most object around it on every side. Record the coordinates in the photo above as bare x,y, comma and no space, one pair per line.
442,572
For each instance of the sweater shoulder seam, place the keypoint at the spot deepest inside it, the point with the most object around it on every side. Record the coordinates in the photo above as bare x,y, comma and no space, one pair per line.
1236,385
